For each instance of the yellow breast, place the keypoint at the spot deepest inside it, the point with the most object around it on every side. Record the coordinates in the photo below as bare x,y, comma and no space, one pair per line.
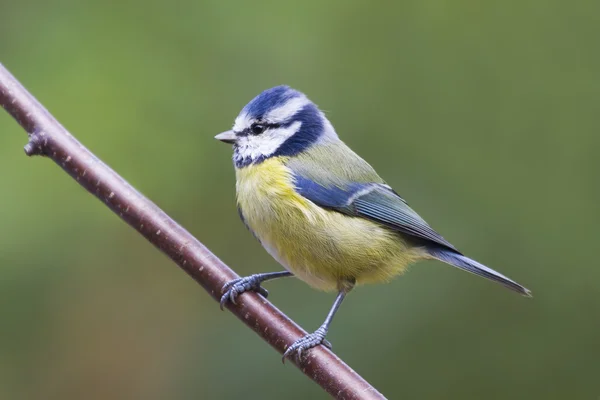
324,248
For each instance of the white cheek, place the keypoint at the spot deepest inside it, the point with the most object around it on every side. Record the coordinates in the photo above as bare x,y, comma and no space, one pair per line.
253,147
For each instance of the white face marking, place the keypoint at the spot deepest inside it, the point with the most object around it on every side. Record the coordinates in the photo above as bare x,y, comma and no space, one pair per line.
287,110
242,122
277,115
253,147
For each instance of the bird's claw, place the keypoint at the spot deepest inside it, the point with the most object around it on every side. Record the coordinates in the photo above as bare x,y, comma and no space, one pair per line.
232,289
306,343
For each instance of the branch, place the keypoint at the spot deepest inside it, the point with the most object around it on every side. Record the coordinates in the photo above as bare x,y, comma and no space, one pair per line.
47,137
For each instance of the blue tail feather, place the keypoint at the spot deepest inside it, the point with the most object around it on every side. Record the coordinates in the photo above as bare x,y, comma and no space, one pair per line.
466,264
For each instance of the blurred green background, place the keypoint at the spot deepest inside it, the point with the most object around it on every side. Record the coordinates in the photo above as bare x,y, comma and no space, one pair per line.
484,116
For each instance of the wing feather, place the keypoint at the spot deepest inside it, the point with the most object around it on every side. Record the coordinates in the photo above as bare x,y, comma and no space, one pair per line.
388,208
373,201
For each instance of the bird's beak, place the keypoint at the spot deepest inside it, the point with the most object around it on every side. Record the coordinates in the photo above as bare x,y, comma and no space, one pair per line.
226,137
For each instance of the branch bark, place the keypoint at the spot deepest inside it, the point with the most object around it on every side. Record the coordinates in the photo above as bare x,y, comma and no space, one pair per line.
47,137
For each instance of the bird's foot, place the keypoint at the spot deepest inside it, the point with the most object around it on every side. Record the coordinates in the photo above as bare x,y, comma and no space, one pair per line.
306,343
232,289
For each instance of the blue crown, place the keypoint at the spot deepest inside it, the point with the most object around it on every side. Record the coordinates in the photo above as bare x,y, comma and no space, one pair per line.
269,100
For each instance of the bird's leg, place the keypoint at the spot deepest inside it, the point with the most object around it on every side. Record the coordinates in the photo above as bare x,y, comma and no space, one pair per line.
317,337
232,289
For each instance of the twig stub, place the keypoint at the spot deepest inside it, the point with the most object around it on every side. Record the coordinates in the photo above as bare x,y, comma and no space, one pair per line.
36,144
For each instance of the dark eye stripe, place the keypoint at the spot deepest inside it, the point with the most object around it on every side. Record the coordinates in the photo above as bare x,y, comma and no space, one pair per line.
248,131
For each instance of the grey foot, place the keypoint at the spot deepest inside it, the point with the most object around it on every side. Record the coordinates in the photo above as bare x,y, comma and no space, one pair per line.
232,289
306,343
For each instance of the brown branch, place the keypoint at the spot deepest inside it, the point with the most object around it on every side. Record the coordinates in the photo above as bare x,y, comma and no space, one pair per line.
49,138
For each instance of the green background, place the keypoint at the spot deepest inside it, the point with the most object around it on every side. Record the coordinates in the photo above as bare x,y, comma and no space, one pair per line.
483,115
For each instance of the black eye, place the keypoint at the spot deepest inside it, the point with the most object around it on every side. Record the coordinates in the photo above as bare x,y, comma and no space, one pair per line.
257,129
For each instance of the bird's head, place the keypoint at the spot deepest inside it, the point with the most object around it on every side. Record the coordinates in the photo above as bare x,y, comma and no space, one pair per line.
278,122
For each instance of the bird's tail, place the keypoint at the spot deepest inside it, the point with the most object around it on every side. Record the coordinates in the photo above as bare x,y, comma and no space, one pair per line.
465,263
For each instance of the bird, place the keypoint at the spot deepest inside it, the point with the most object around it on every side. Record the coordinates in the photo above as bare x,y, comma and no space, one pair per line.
322,211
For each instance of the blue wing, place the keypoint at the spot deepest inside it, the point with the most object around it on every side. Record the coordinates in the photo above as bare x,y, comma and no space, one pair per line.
374,201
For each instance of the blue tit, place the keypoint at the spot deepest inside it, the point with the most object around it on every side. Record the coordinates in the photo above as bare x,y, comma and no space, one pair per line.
322,211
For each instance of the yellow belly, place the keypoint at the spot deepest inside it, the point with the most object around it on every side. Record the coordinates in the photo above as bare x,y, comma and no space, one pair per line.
324,248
